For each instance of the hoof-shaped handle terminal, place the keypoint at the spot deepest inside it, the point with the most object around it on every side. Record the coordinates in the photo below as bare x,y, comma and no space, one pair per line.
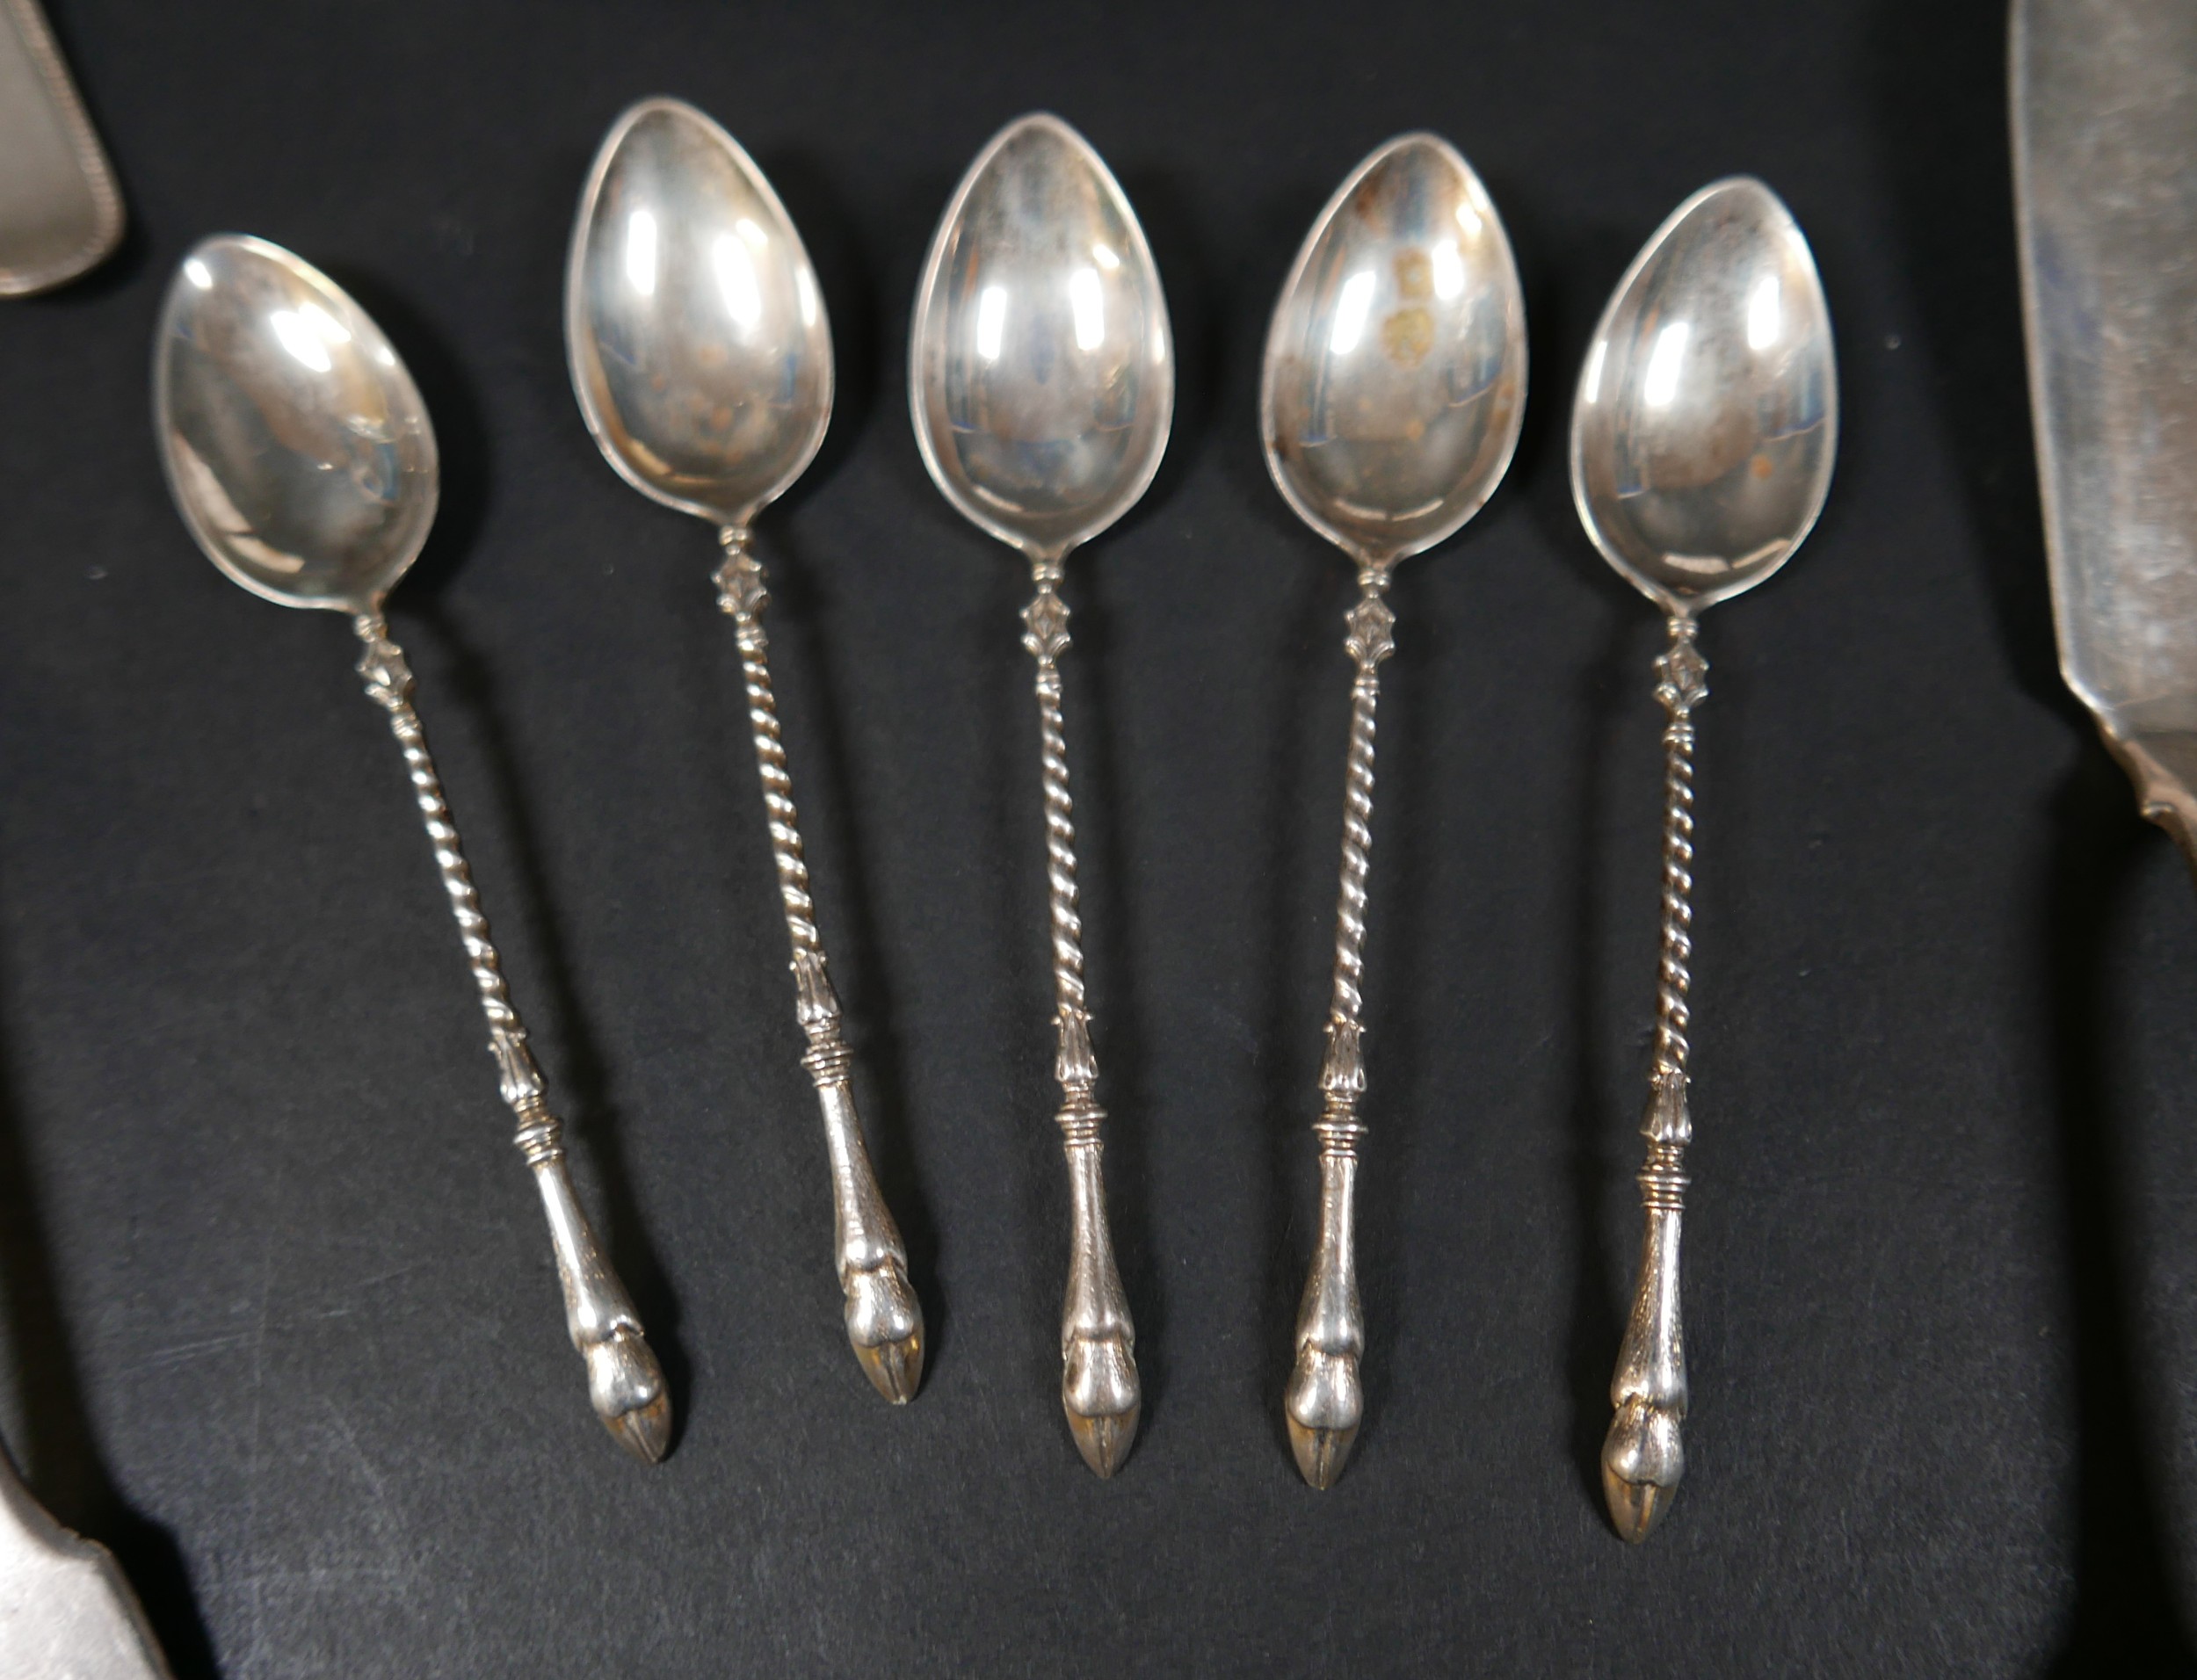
884,1328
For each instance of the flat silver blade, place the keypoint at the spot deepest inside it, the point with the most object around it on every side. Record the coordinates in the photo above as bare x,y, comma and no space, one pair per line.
66,1613
2105,130
60,210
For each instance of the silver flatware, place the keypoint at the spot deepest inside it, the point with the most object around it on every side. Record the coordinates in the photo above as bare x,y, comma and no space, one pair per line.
1702,437
1041,378
61,212
301,458
701,358
2105,133
1393,390
65,1606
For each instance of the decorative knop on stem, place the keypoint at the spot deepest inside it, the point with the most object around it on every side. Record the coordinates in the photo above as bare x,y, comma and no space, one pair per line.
624,1382
1099,1388
1644,1457
1325,1401
884,1320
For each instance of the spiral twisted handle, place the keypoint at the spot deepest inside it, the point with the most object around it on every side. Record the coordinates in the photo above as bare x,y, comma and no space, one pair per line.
884,1319
1099,1389
625,1383
1045,634
1681,684
1325,1401
1643,1456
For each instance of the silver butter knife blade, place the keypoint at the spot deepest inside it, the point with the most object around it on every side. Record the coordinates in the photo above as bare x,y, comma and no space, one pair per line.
2105,135
66,1613
61,212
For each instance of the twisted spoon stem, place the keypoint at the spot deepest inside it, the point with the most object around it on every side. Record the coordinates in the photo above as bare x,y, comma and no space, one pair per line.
884,1320
625,1383
1100,1390
1325,1400
1643,1455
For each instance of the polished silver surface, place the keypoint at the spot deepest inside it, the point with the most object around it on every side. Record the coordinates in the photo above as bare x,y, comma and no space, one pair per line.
1041,379
2105,120
1041,370
301,459
1393,390
701,358
693,324
61,212
1394,379
1707,412
1702,437
66,1610
295,441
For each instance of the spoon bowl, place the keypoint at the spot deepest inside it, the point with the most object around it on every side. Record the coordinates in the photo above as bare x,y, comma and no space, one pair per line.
699,349
1707,418
295,444
1394,377
1041,369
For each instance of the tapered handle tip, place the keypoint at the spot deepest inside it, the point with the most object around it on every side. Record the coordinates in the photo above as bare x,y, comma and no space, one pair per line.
1324,1405
1320,1453
1100,1392
884,1328
625,1385
1105,1441
1642,1459
1635,1507
895,1368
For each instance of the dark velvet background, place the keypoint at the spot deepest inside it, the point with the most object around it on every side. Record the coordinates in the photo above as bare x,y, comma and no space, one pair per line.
281,1326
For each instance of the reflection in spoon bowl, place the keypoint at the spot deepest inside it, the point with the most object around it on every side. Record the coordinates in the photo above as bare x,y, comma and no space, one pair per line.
698,346
1042,371
1396,365
296,444
1707,414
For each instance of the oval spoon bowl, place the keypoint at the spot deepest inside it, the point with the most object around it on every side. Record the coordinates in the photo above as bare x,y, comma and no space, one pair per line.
296,447
1707,419
1041,370
694,328
1394,377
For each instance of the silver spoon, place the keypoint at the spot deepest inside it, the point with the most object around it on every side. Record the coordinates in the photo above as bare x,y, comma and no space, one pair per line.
702,361
300,457
1393,387
1702,444
1042,376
